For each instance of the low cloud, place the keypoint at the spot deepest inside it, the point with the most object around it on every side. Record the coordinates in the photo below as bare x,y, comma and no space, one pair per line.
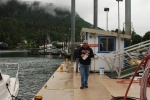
4,1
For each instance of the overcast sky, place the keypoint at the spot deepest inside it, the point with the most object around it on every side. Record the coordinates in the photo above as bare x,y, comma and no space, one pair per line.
140,14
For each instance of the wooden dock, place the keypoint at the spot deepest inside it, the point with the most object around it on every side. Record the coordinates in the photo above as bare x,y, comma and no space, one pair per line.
66,86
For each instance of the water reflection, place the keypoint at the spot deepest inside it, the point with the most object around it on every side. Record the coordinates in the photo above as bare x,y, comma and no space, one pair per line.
34,71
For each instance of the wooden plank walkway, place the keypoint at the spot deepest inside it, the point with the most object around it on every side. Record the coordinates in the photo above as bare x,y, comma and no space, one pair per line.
66,86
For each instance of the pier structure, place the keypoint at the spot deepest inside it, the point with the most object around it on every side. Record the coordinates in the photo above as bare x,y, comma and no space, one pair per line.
65,85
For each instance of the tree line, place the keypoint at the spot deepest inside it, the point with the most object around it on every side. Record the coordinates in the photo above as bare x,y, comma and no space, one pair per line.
20,21
135,38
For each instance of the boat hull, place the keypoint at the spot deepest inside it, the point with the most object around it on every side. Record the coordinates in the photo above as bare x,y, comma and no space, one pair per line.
13,87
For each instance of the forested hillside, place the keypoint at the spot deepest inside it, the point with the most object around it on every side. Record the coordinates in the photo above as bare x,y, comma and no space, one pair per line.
21,21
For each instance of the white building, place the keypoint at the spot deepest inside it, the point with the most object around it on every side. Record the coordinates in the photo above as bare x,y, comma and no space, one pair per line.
103,42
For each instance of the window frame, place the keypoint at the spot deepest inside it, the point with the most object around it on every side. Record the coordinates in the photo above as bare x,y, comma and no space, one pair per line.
99,40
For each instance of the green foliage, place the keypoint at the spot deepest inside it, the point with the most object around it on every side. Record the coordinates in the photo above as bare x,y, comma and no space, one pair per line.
133,34
136,39
79,24
55,44
59,46
146,36
129,42
20,21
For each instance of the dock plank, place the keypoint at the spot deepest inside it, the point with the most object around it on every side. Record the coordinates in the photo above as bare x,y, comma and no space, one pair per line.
119,89
96,90
58,87
66,86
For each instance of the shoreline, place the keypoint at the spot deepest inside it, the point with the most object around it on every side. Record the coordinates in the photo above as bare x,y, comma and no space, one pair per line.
13,51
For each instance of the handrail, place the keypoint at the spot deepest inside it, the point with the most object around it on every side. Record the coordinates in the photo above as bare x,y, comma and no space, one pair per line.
126,53
16,76
132,47
148,41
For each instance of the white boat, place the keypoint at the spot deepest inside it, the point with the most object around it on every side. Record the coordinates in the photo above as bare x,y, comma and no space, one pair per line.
9,85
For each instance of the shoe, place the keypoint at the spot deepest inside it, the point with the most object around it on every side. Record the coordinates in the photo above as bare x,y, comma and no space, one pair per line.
81,87
86,86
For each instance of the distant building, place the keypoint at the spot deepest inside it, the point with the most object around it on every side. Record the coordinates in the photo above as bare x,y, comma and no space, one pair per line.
3,45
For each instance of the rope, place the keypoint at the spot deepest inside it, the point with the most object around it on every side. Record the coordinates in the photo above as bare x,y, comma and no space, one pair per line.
8,88
145,79
145,82
10,93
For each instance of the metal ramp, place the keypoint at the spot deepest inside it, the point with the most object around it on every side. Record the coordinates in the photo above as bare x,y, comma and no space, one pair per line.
123,63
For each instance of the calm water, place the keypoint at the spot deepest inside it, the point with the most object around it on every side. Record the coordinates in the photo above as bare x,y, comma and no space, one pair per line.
34,70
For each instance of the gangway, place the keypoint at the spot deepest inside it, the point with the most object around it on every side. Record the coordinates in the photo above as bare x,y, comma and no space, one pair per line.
123,63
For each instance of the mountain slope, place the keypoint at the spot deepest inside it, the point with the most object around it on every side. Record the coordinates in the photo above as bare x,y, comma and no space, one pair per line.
22,21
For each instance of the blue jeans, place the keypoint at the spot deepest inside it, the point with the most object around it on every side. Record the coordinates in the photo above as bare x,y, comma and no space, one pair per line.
84,70
77,64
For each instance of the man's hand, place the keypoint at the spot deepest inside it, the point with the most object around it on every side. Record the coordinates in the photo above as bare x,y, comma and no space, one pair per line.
82,55
87,54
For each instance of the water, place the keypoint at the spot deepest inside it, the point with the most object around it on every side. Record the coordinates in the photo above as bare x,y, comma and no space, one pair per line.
34,71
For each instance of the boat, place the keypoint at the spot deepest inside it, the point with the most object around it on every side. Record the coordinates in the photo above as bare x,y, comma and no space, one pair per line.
54,51
9,85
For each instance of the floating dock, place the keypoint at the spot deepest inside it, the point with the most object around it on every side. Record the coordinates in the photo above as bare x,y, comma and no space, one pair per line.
66,86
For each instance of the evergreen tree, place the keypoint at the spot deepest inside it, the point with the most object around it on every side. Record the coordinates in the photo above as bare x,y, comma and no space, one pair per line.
146,36
20,21
136,39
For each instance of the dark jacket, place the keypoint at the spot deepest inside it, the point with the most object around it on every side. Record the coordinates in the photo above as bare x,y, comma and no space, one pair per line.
83,50
75,54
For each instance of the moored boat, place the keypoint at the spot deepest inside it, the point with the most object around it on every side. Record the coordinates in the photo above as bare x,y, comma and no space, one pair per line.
9,85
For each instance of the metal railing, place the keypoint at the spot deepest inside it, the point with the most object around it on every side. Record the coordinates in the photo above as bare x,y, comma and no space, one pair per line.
11,67
125,61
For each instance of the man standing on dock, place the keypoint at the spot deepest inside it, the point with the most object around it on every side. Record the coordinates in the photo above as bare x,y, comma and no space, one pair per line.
85,53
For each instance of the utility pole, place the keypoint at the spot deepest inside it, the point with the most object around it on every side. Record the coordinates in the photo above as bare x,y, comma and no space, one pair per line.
95,13
128,17
107,10
72,28
118,25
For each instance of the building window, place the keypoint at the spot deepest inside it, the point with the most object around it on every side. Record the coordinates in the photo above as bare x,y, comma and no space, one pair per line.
106,44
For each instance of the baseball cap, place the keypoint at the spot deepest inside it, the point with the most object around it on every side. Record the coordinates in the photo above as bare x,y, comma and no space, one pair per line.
85,41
